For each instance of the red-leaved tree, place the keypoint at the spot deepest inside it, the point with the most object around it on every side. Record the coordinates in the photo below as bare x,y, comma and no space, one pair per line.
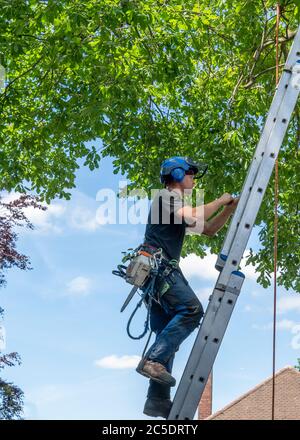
12,216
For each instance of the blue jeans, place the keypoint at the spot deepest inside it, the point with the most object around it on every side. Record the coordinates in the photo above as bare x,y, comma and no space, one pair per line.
172,322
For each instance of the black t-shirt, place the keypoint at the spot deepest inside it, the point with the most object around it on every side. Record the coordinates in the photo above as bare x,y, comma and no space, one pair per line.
164,229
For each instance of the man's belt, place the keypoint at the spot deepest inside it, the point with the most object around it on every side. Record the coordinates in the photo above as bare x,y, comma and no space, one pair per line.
171,263
166,259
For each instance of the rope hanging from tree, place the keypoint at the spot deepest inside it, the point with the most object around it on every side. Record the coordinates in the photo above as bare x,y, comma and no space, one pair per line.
276,191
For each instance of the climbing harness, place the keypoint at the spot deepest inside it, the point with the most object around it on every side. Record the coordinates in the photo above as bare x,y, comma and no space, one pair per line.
149,270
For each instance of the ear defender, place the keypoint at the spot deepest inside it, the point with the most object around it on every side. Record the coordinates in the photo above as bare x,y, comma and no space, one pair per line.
178,174
177,166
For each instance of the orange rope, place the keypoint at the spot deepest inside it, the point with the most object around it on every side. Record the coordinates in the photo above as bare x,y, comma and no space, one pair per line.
276,191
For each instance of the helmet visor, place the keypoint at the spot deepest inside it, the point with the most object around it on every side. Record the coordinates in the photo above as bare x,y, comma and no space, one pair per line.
199,168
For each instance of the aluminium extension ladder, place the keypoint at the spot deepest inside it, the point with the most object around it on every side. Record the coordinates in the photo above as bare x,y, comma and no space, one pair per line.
230,279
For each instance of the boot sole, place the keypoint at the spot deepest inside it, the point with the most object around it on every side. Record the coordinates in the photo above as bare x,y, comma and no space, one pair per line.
155,414
156,379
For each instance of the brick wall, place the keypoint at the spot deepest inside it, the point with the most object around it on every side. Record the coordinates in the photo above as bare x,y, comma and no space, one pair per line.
205,405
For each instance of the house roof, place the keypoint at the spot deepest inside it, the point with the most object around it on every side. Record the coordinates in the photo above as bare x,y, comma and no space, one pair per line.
256,403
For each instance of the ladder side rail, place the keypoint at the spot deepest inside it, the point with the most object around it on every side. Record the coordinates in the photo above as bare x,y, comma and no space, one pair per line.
193,385
278,100
260,185
254,169
207,360
213,317
198,346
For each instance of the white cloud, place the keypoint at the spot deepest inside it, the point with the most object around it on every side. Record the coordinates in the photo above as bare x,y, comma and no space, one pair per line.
46,221
249,271
289,303
203,268
83,218
2,337
78,213
43,221
284,324
262,327
30,410
9,197
295,342
79,286
204,293
256,293
46,394
257,309
118,362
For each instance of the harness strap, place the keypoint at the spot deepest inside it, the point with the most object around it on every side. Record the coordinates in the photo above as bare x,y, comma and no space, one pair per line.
150,292
166,267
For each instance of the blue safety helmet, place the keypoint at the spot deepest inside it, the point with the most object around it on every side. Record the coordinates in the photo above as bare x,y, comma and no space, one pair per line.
177,166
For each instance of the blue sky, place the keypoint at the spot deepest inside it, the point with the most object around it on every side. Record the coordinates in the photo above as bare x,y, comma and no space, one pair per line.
63,316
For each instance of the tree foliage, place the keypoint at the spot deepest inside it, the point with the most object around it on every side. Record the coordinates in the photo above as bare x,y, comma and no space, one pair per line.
151,79
11,396
11,216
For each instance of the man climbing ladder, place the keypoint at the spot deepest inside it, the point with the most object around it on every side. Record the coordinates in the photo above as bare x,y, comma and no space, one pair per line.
230,280
177,311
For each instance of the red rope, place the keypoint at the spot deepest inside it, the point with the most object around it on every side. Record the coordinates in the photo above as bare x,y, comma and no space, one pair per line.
276,191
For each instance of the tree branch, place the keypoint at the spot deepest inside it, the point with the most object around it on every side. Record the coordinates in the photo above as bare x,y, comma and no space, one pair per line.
32,36
231,99
252,81
281,40
18,77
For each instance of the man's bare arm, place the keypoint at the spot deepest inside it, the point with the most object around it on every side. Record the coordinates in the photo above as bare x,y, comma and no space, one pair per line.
212,226
201,213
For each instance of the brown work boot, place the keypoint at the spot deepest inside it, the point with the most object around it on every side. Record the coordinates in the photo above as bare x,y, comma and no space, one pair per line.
156,371
157,407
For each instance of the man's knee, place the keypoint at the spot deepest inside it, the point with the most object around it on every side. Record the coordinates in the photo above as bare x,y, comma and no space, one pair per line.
196,313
